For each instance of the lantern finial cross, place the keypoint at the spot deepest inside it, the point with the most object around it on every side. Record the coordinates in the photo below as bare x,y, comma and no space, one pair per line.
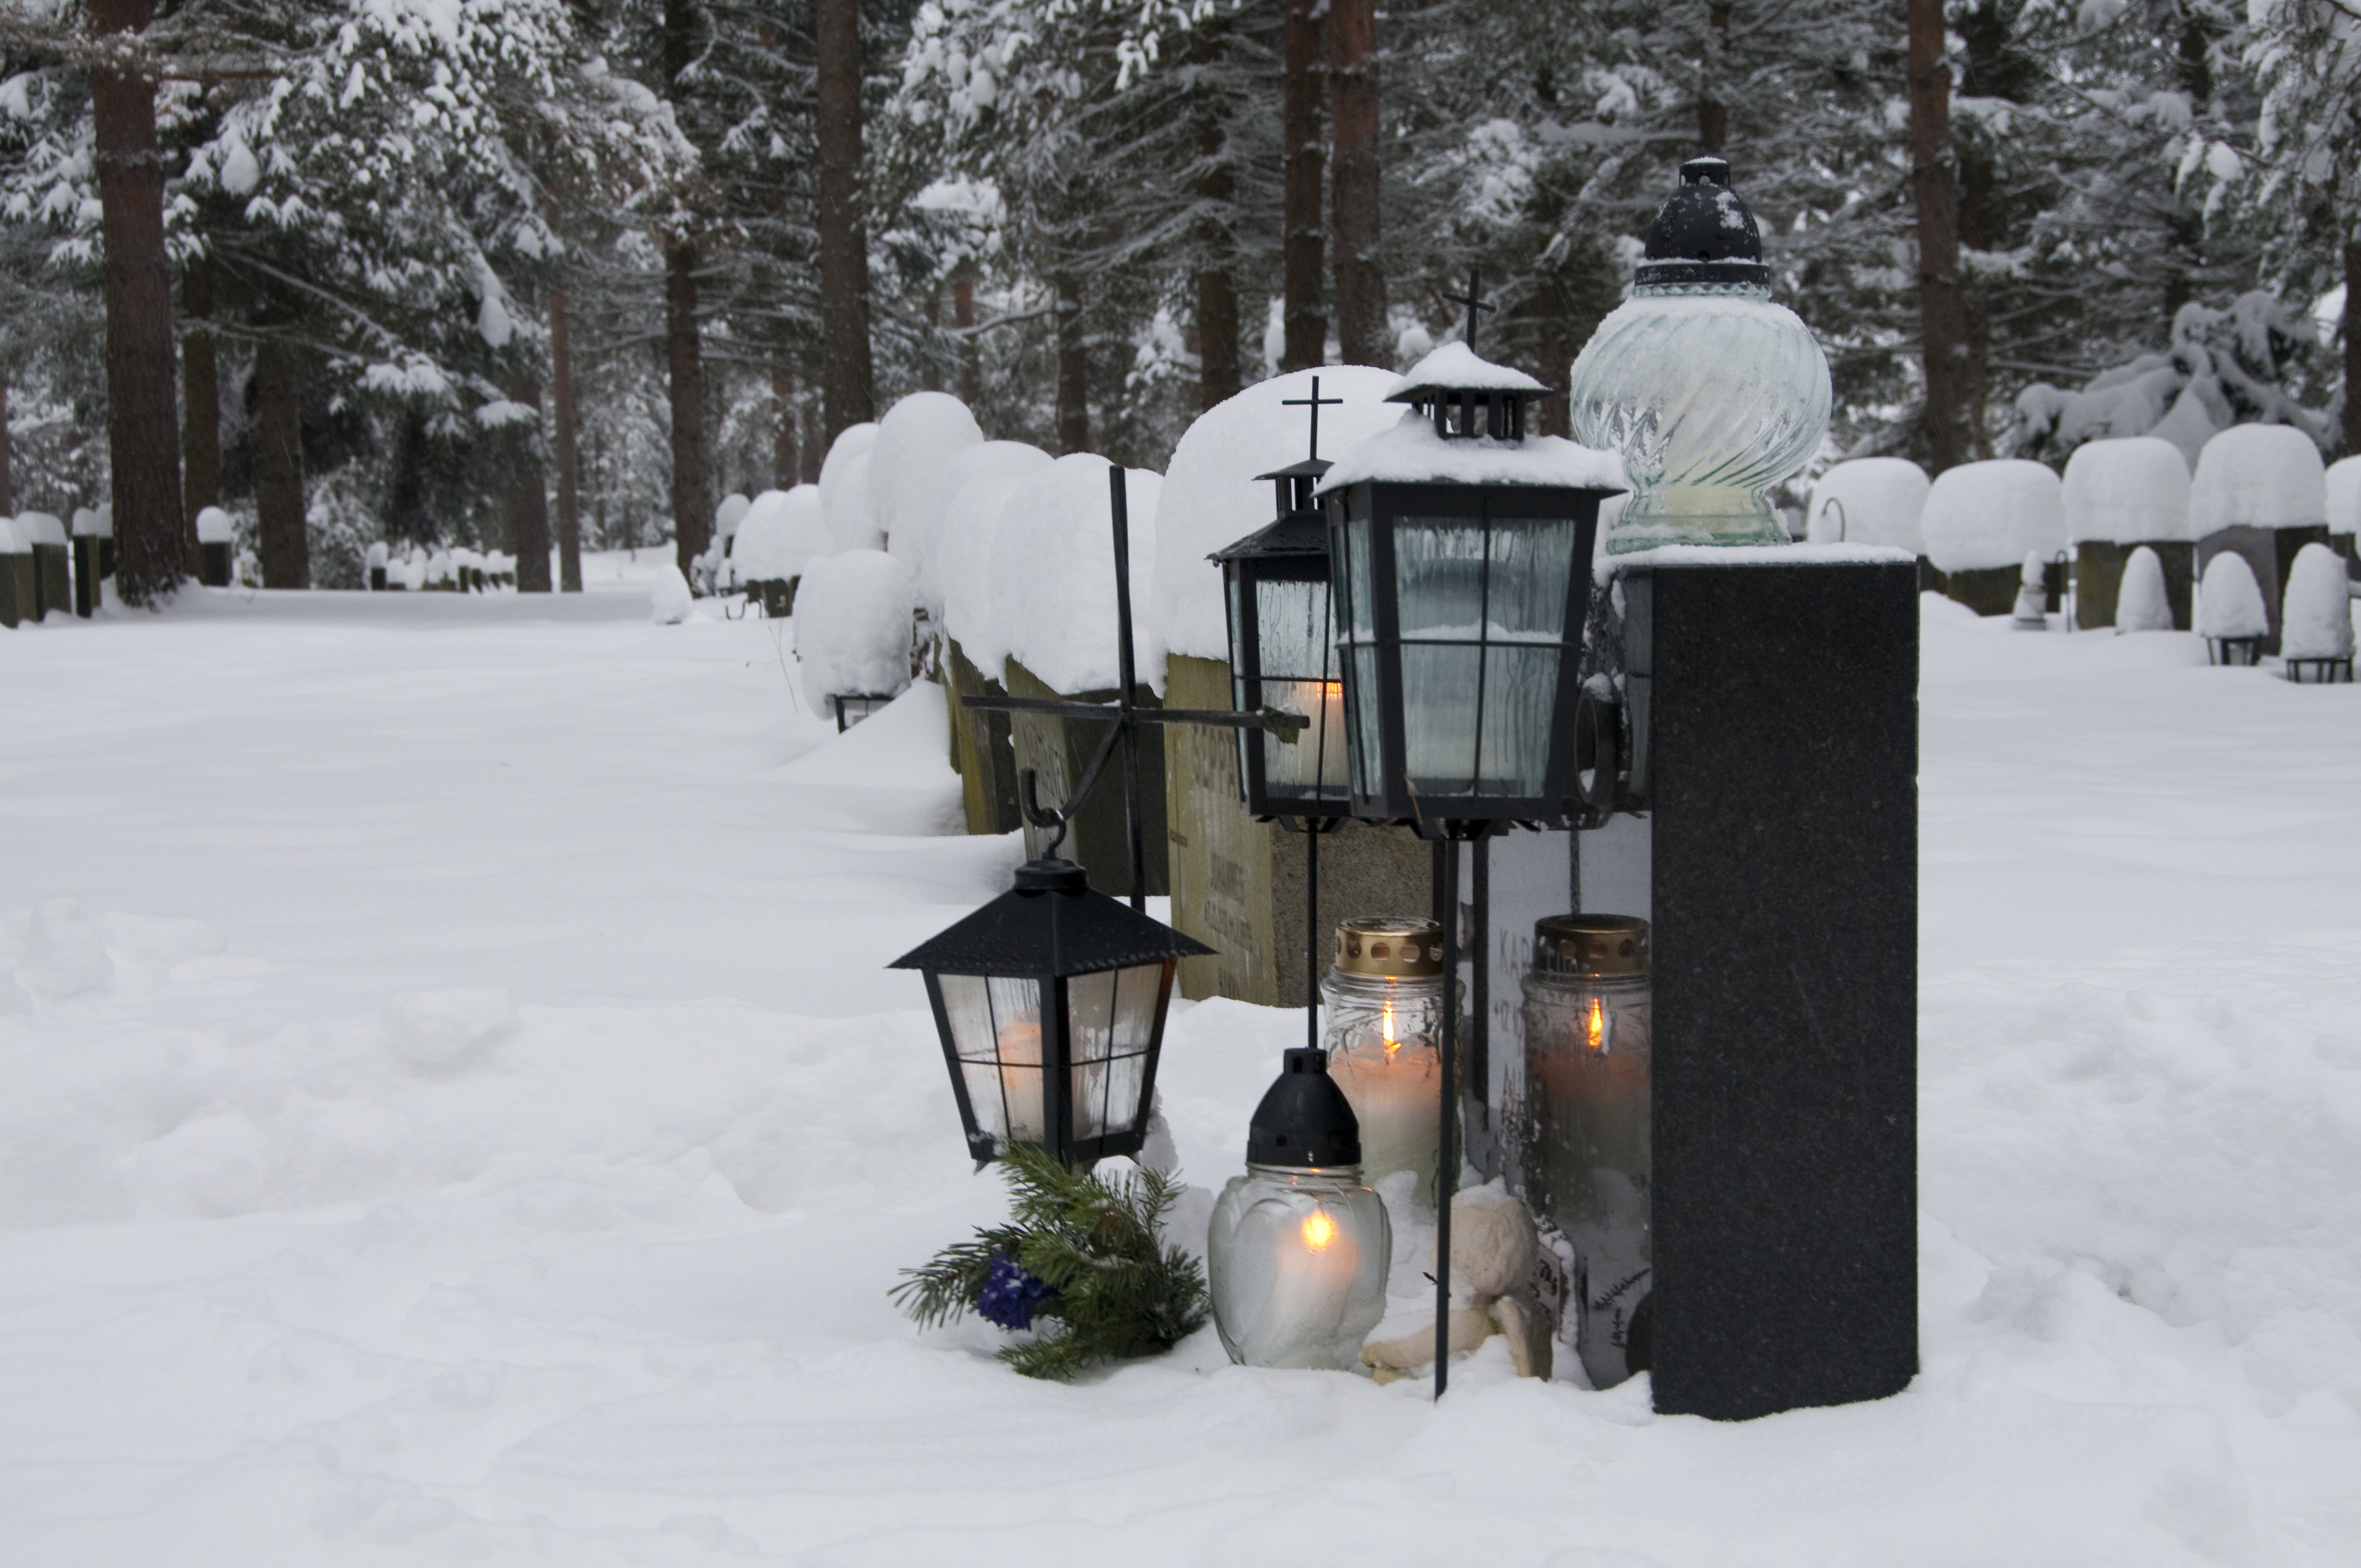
1474,299
1315,403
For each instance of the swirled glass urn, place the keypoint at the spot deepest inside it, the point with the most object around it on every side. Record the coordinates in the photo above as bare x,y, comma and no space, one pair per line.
1712,394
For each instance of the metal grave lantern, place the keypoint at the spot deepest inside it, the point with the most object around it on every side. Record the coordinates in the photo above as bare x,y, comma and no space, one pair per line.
1460,553
1050,1001
1283,648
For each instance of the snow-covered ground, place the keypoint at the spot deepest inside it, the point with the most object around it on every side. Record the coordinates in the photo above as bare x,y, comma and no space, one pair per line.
454,1111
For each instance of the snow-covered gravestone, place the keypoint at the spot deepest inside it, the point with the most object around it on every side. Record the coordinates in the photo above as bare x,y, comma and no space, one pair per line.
913,480
52,577
2142,603
2121,495
1873,500
844,489
781,532
17,594
853,613
2343,485
2230,613
217,548
1984,519
2316,635
1238,885
93,555
375,563
2260,491
983,478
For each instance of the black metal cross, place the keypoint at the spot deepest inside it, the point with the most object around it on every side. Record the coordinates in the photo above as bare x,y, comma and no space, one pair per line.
1474,299
1315,403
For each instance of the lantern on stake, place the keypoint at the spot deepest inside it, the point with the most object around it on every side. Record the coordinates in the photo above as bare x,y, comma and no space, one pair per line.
1050,1001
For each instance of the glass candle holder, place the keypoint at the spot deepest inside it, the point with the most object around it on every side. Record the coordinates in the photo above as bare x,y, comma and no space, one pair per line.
1585,1123
1383,1034
1297,1257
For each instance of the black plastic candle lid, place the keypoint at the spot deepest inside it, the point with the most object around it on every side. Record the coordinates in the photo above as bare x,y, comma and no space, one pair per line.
1304,1119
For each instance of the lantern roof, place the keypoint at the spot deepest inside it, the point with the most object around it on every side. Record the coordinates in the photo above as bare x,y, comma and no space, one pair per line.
1309,468
1411,453
1704,233
1456,367
1050,923
1297,533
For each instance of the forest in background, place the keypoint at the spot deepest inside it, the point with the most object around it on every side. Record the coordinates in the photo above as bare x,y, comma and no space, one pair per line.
500,272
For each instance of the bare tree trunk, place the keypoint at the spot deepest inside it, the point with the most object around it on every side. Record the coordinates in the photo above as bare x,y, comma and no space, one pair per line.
201,397
143,428
692,489
1942,307
847,380
526,502
1713,111
285,550
1304,249
1217,295
815,451
783,441
7,487
1073,369
2352,353
1360,269
563,444
963,317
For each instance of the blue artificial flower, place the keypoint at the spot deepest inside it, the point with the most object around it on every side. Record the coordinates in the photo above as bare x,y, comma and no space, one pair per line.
1011,1296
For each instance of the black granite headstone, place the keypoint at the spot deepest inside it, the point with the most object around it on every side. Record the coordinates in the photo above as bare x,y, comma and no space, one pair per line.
1778,756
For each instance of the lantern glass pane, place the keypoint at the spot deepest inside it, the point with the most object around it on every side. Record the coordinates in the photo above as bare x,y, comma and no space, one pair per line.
996,1032
1520,699
1359,616
1532,560
1369,761
1291,617
1439,568
1438,716
1114,1019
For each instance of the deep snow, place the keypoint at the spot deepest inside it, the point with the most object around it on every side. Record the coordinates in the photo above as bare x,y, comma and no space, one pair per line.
459,1114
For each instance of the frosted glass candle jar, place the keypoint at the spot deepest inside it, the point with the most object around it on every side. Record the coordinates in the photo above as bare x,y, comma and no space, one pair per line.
1585,1158
1297,1258
1383,1034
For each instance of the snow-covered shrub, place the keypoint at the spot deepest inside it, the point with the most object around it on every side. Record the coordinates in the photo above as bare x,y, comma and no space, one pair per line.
1210,498
1052,573
2229,601
2257,475
2032,593
1870,500
844,489
987,475
853,624
728,515
2316,618
2125,490
668,596
1984,516
917,441
2142,603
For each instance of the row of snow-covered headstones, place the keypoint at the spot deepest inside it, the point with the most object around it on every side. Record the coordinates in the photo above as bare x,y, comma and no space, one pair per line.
453,569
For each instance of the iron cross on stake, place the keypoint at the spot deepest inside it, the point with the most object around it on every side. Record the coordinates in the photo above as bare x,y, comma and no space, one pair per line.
1315,403
1474,299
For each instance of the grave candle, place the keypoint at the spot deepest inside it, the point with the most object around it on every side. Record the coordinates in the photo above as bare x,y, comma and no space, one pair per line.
1384,997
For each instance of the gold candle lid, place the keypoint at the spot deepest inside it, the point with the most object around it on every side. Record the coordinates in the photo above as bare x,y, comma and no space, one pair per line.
1576,945
1390,946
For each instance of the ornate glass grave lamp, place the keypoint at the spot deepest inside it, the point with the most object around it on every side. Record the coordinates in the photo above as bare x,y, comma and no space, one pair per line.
1384,1037
1587,1037
1050,1001
1299,1248
1711,392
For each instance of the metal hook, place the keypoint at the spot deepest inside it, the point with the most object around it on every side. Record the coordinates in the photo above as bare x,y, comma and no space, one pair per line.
1839,505
1029,796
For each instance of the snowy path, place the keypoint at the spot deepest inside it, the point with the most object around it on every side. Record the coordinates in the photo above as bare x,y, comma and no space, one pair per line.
455,1112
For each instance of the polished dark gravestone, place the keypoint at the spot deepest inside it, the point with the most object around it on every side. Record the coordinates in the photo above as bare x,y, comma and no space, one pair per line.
1773,750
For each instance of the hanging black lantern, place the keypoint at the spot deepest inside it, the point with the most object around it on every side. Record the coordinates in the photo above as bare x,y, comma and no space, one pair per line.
1050,1004
1284,656
1461,564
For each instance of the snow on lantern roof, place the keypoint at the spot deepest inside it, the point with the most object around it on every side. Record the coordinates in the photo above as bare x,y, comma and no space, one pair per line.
1411,453
1456,367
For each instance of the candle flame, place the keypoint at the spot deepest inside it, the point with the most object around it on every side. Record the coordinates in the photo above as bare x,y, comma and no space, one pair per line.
1319,1230
1595,1030
1385,1028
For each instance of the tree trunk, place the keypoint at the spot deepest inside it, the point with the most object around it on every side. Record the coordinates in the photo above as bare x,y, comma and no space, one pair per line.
1303,256
201,395
1073,369
526,502
7,489
783,440
815,450
692,490
1360,270
562,443
2352,352
143,428
847,380
1217,295
285,550
1713,110
963,317
1942,308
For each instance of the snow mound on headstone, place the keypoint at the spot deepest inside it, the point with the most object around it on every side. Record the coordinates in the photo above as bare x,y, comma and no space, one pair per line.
2316,618
668,595
214,527
11,543
782,531
985,477
1051,573
730,515
1211,498
2257,475
2127,489
1981,516
39,528
2229,601
2143,604
1870,500
2344,487
916,442
844,489
853,624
